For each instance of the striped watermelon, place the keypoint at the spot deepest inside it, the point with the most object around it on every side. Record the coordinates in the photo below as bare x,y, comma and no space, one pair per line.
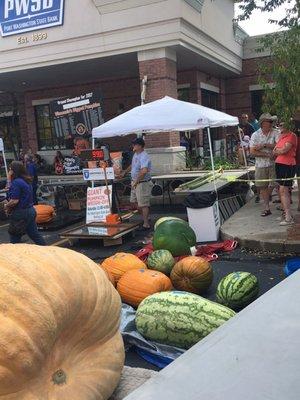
163,219
237,290
161,260
179,318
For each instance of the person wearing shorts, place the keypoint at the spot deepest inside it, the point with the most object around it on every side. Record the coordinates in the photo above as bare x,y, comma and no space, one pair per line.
262,144
141,183
298,167
285,165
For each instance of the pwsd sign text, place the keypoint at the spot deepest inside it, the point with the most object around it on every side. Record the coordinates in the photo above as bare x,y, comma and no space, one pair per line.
19,16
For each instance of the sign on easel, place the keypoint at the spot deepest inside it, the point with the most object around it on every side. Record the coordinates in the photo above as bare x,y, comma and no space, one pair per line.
3,154
97,174
97,205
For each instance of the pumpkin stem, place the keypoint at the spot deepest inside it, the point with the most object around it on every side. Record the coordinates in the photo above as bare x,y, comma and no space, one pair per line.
59,377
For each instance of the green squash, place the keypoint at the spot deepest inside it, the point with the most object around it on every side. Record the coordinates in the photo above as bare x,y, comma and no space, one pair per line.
163,219
175,236
161,260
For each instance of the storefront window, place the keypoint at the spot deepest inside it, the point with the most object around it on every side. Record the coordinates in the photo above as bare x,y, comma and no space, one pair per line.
211,100
9,132
47,138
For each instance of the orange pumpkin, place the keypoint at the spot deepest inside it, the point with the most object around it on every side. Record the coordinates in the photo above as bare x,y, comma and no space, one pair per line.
120,263
109,275
192,274
44,213
59,319
135,285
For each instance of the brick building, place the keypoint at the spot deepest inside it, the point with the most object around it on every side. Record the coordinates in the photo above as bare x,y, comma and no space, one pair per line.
189,49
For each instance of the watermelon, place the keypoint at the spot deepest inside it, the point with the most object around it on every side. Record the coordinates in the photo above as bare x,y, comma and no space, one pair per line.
161,260
163,219
179,319
237,290
175,236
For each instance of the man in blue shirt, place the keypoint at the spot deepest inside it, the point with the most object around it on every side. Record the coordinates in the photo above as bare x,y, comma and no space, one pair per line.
141,184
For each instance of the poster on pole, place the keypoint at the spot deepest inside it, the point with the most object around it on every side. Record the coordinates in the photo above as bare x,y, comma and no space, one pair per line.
97,205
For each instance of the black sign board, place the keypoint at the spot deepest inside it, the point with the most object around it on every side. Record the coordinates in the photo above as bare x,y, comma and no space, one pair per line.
76,116
72,165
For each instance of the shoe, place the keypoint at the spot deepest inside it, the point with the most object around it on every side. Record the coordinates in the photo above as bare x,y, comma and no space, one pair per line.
265,213
257,199
286,222
281,218
144,228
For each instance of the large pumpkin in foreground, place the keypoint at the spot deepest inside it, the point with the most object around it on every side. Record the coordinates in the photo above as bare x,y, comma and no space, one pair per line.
120,263
192,274
59,318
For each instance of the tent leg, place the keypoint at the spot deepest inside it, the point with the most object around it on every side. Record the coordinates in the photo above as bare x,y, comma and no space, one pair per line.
5,165
211,151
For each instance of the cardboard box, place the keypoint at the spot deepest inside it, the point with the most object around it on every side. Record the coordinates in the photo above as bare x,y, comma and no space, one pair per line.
77,205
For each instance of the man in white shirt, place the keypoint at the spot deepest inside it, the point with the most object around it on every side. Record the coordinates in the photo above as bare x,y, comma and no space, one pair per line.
261,147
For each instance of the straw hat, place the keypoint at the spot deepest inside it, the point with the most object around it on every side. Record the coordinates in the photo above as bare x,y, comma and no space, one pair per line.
267,117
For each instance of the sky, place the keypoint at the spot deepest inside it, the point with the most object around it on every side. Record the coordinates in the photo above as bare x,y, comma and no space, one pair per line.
258,22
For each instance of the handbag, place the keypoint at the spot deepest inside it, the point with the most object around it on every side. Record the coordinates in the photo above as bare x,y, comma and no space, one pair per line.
17,227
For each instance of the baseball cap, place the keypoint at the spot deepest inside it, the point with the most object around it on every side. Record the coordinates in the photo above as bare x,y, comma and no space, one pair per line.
139,141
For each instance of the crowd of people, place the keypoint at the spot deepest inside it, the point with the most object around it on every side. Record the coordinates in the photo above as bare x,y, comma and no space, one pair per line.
276,150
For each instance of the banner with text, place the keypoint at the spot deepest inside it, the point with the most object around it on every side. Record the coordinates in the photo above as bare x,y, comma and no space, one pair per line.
76,116
20,16
97,205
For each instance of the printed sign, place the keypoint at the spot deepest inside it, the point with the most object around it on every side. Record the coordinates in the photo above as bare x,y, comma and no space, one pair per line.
76,116
97,205
19,16
71,165
1,145
97,174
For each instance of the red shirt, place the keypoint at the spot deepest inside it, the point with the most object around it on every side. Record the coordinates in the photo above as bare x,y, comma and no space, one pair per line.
298,151
288,158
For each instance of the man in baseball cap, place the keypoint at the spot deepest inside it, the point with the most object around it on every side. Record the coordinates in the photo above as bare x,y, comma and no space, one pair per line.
141,183
262,144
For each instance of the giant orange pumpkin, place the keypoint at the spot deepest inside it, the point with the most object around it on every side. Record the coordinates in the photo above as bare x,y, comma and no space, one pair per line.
44,213
135,285
192,274
120,263
59,318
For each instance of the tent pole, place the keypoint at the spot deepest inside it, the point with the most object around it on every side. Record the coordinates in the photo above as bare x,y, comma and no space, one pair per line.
5,164
211,150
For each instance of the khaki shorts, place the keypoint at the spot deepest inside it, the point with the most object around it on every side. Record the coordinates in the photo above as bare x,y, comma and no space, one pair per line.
141,194
265,173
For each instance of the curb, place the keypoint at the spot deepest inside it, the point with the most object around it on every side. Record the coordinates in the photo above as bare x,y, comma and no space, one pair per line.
274,247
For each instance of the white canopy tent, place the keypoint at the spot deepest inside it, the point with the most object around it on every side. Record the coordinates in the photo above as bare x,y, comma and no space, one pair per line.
165,115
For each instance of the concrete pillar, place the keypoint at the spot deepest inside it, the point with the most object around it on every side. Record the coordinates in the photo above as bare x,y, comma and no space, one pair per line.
160,67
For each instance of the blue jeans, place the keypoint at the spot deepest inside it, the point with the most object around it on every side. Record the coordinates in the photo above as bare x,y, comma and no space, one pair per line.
28,215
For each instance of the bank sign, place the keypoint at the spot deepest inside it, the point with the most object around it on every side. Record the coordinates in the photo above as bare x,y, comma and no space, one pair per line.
20,16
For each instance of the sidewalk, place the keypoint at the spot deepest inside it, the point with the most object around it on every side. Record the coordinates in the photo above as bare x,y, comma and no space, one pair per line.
263,233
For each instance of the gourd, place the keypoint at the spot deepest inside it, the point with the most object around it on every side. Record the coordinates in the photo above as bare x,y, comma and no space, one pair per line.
120,263
135,285
192,274
44,213
59,318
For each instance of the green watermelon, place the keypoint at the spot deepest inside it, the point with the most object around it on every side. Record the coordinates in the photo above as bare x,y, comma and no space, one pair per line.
161,260
237,290
179,318
163,219
175,236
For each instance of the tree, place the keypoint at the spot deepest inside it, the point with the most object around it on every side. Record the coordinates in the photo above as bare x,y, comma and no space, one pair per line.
283,98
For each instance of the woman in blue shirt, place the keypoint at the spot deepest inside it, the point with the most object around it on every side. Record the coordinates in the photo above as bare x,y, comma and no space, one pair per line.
20,205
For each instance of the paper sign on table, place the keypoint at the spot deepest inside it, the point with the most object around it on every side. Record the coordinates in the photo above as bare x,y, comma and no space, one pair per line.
97,206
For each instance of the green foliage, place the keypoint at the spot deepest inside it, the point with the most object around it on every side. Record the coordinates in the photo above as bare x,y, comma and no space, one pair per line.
220,162
283,99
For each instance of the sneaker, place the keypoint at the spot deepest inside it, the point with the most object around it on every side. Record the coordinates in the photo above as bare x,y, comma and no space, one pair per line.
281,218
286,222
